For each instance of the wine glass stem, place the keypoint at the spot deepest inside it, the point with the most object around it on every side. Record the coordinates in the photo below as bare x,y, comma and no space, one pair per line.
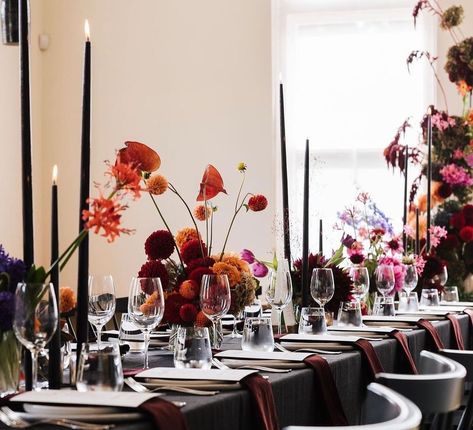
279,312
99,335
146,335
34,370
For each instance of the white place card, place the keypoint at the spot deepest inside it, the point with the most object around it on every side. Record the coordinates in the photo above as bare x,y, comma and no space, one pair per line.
320,338
461,304
425,312
360,330
444,309
230,375
397,318
262,355
90,398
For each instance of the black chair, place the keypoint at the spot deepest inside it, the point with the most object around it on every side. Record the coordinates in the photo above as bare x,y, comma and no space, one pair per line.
383,409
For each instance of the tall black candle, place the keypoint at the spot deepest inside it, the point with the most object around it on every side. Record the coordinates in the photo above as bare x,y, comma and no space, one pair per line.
429,178
321,237
83,268
417,247
405,200
305,232
54,369
26,174
285,194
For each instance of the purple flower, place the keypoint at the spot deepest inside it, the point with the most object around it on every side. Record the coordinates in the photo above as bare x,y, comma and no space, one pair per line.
15,268
248,256
259,270
347,241
7,308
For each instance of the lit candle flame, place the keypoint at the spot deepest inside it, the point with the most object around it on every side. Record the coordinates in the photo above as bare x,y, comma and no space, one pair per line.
87,29
429,111
55,174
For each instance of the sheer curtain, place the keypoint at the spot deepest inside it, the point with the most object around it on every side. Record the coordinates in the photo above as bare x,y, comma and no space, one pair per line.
347,89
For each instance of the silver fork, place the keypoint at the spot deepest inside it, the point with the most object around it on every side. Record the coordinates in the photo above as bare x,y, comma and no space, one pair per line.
317,351
140,388
219,365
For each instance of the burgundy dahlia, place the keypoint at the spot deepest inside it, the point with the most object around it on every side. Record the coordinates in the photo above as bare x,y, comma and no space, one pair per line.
159,245
154,269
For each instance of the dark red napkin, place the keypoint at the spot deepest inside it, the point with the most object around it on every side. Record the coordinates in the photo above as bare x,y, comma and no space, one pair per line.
403,343
262,396
469,312
132,372
432,333
370,356
165,415
330,409
457,332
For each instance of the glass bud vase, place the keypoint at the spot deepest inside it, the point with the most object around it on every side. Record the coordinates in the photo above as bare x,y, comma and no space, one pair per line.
10,357
173,335
216,334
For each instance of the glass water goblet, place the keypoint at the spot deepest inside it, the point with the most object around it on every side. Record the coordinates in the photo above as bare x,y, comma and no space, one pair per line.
192,348
279,292
101,302
349,314
410,278
215,300
146,307
322,285
450,294
35,320
385,280
258,335
312,321
440,279
361,282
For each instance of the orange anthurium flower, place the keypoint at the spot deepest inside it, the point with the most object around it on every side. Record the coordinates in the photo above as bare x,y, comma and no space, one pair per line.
140,155
211,185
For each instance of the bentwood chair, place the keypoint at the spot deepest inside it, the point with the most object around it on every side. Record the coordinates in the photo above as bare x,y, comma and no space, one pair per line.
465,358
383,409
437,390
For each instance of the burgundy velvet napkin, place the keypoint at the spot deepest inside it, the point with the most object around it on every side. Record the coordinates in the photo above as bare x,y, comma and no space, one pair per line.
403,343
132,372
469,312
370,356
330,409
457,332
165,415
262,396
432,333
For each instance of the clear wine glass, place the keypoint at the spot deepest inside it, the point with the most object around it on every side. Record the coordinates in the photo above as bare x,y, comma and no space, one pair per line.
322,285
410,278
215,301
101,302
279,293
440,279
35,320
385,280
146,307
361,282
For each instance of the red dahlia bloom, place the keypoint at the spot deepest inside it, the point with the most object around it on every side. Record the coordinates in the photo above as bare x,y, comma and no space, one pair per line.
196,274
466,234
159,245
188,313
457,220
172,307
155,269
192,250
200,262
257,203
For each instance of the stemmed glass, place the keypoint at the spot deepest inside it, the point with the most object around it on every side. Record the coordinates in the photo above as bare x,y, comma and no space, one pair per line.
384,276
35,320
279,293
441,278
146,307
101,302
361,282
410,278
322,285
215,300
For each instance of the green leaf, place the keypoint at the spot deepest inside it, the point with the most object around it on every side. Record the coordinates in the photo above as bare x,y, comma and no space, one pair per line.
36,275
337,257
4,281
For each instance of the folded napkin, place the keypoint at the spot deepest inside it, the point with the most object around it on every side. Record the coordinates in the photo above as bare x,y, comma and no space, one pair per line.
432,334
132,372
370,356
403,343
469,312
262,396
165,414
457,332
330,409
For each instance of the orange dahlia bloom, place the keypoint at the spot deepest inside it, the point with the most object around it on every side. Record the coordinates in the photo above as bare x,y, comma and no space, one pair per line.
139,155
411,221
157,185
242,266
104,214
189,289
211,184
67,299
185,235
202,213
469,117
127,178
435,199
463,88
201,320
221,268
149,307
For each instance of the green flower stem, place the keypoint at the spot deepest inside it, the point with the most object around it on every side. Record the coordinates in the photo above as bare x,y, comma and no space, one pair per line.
174,190
211,229
206,218
167,227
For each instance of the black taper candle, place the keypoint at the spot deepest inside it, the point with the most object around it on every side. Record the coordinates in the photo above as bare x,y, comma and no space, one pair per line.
54,369
26,174
417,244
405,200
285,194
305,232
321,237
429,179
83,267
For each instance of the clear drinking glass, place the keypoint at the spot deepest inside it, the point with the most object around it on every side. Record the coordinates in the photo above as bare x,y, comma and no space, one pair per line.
257,334
450,294
429,297
441,278
312,321
146,307
254,309
101,302
35,320
410,277
100,368
192,348
215,301
361,282
130,334
384,276
279,292
384,305
349,314
408,302
322,285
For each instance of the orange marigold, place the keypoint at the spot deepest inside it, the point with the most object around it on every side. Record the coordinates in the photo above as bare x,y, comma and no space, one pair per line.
221,268
126,177
189,289
469,117
105,214
463,88
157,185
241,265
201,320
185,235
67,300
149,307
202,213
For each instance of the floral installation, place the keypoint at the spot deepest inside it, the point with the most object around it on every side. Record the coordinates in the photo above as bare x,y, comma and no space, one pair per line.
452,151
195,249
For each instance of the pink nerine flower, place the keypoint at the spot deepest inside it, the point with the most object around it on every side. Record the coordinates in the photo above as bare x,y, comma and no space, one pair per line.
436,235
440,123
469,160
457,154
456,175
398,272
420,263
